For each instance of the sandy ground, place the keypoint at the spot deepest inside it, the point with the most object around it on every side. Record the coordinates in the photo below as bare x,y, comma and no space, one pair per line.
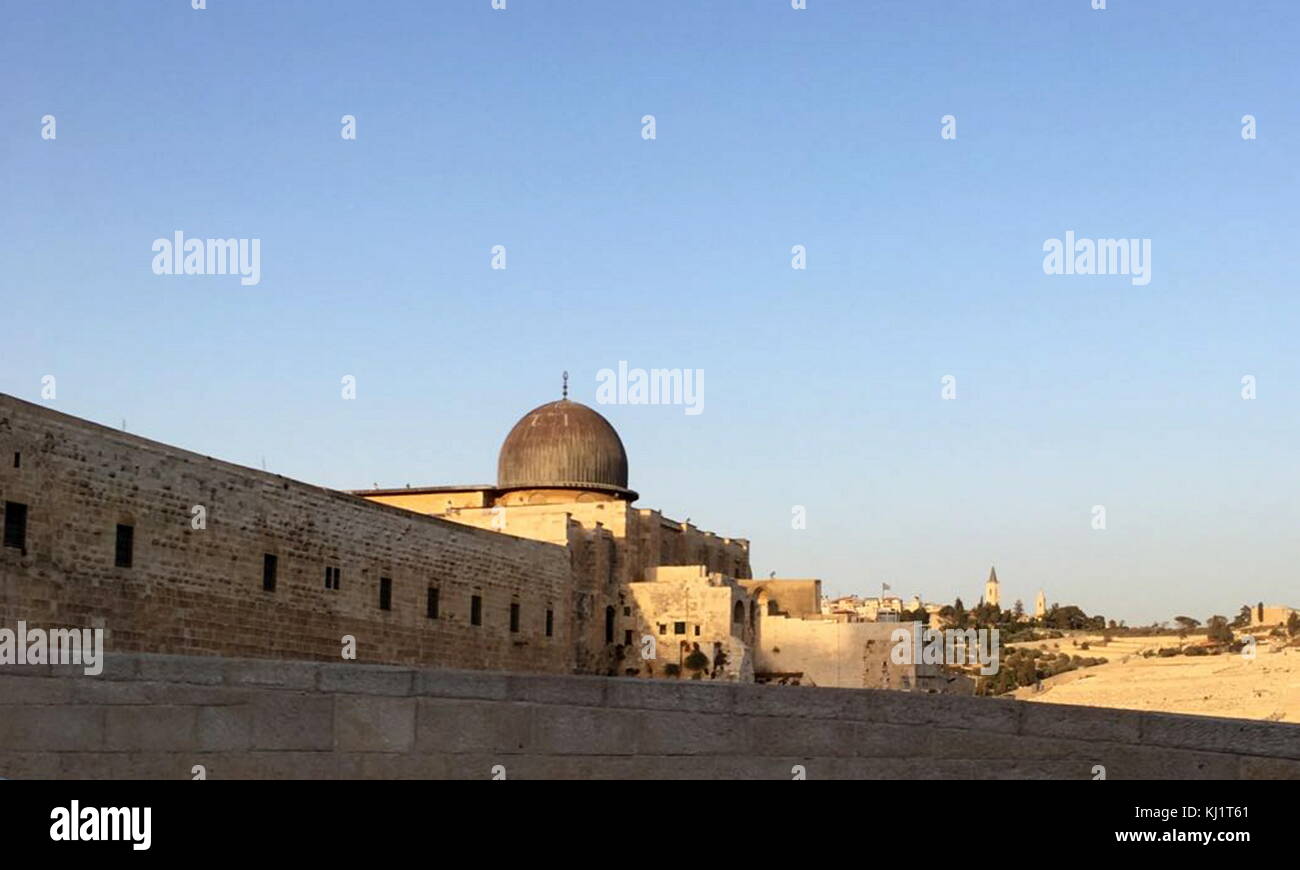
1267,687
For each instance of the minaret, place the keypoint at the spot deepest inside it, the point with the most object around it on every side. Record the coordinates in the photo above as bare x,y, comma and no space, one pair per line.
991,588
1040,605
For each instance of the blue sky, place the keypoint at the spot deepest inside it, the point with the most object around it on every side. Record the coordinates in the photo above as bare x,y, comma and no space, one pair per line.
775,127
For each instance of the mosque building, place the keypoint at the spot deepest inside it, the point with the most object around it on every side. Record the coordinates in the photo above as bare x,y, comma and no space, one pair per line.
551,568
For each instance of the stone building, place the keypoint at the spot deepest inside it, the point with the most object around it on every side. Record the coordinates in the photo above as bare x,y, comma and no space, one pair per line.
552,568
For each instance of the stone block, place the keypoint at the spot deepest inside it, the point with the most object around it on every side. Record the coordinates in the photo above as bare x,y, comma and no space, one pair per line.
51,727
156,728
367,679
669,733
461,684
224,728
584,731
34,690
258,673
455,726
1079,723
293,721
369,723
203,670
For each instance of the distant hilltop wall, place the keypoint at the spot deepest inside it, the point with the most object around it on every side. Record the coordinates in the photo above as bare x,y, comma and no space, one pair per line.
153,716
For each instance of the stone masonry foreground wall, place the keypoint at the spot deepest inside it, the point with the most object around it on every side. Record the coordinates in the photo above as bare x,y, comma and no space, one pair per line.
156,716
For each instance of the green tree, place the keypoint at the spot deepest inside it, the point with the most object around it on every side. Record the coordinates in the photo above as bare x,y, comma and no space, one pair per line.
697,661
1218,630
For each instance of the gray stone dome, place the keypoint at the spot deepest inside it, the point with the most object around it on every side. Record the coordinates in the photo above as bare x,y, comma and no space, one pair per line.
563,445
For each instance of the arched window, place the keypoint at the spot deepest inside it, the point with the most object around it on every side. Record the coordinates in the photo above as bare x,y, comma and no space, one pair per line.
739,614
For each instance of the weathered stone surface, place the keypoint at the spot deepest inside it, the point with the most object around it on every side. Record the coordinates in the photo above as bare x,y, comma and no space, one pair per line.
225,728
34,690
374,724
461,684
674,733
154,728
360,723
1223,735
455,726
52,728
563,730
367,680
1080,723
199,591
293,721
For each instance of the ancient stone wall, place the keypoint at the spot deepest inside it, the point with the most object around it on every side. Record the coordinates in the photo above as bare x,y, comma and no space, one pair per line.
838,654
200,590
159,716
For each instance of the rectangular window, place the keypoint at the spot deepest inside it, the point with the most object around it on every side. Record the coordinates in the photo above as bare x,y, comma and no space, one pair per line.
18,459
476,610
16,525
514,617
125,544
385,593
268,573
550,623
332,577
627,637
679,628
431,603
663,629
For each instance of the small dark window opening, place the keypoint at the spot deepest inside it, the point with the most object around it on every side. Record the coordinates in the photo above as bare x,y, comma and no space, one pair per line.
431,603
125,544
385,593
679,628
627,611
16,525
663,629
18,459
738,615
697,631
268,573
476,610
332,575
550,623
609,625
514,616
627,637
